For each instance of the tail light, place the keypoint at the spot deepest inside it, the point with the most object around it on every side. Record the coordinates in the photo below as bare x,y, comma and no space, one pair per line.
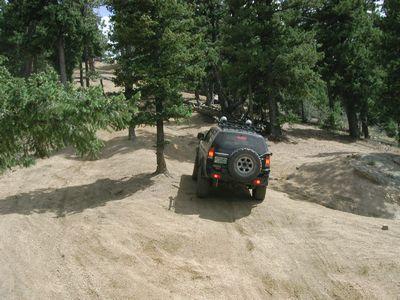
256,181
216,176
211,153
268,161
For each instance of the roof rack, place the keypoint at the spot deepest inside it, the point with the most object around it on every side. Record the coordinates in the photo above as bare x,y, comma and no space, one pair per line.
248,126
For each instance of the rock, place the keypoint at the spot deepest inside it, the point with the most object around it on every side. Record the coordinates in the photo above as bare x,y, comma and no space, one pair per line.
291,176
368,173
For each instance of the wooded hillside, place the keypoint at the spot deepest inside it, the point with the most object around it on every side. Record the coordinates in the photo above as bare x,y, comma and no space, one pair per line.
272,61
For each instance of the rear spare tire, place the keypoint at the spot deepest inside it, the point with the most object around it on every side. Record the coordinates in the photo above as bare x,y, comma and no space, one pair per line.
203,184
244,165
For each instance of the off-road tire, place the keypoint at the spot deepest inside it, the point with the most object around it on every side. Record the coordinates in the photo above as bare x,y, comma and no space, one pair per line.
259,193
195,168
253,172
203,184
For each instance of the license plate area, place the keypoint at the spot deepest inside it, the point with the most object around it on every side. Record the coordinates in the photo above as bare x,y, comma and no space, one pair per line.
220,160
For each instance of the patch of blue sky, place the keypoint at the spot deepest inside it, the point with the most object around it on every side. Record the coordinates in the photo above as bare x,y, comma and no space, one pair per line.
102,11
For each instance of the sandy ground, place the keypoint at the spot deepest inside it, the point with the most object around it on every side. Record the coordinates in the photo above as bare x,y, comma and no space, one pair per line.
77,229
106,72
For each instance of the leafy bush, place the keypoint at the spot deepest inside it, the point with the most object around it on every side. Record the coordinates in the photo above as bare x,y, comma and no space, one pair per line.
334,118
38,116
289,117
391,129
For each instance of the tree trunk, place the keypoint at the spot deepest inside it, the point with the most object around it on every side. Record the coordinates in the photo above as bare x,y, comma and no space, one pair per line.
331,101
28,68
132,133
365,129
128,92
251,102
354,130
197,97
128,96
61,59
276,131
35,64
364,124
303,112
223,97
210,94
102,86
161,165
224,106
330,123
91,64
85,54
81,74
398,133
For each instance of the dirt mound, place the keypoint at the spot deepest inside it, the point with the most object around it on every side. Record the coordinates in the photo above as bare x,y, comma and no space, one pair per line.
364,184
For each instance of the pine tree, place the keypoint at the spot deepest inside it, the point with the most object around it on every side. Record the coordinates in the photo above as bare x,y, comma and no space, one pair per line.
35,34
240,50
64,25
156,38
349,39
269,54
391,50
123,47
21,35
38,116
208,21
93,40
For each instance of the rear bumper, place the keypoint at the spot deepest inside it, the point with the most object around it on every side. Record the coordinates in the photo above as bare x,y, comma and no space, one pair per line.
263,177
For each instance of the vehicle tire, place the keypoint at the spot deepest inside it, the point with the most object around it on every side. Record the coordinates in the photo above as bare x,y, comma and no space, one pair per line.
244,165
203,185
195,168
259,193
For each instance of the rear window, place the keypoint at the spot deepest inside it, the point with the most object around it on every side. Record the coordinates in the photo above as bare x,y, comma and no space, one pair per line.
227,142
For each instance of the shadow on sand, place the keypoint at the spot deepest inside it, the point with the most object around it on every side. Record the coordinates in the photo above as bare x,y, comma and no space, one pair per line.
319,134
74,199
225,204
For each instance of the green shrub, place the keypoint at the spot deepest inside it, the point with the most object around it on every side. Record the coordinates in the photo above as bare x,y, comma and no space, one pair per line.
289,117
38,116
334,119
391,128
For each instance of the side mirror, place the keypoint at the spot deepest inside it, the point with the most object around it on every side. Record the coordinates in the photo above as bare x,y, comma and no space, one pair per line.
200,136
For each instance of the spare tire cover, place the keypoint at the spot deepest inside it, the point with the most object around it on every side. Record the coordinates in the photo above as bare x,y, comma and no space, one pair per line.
244,165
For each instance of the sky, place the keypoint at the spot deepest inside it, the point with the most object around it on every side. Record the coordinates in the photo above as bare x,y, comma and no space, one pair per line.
103,12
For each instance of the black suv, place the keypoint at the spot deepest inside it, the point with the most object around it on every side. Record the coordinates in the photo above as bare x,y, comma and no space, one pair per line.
234,153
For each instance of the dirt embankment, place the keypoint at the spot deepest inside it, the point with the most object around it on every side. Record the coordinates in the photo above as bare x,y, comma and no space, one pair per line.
366,184
107,229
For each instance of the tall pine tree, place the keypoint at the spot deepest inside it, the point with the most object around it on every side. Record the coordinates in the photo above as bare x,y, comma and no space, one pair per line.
349,38
391,50
35,34
269,54
156,38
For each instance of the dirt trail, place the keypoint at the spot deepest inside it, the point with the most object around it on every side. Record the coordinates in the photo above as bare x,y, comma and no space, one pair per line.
107,229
